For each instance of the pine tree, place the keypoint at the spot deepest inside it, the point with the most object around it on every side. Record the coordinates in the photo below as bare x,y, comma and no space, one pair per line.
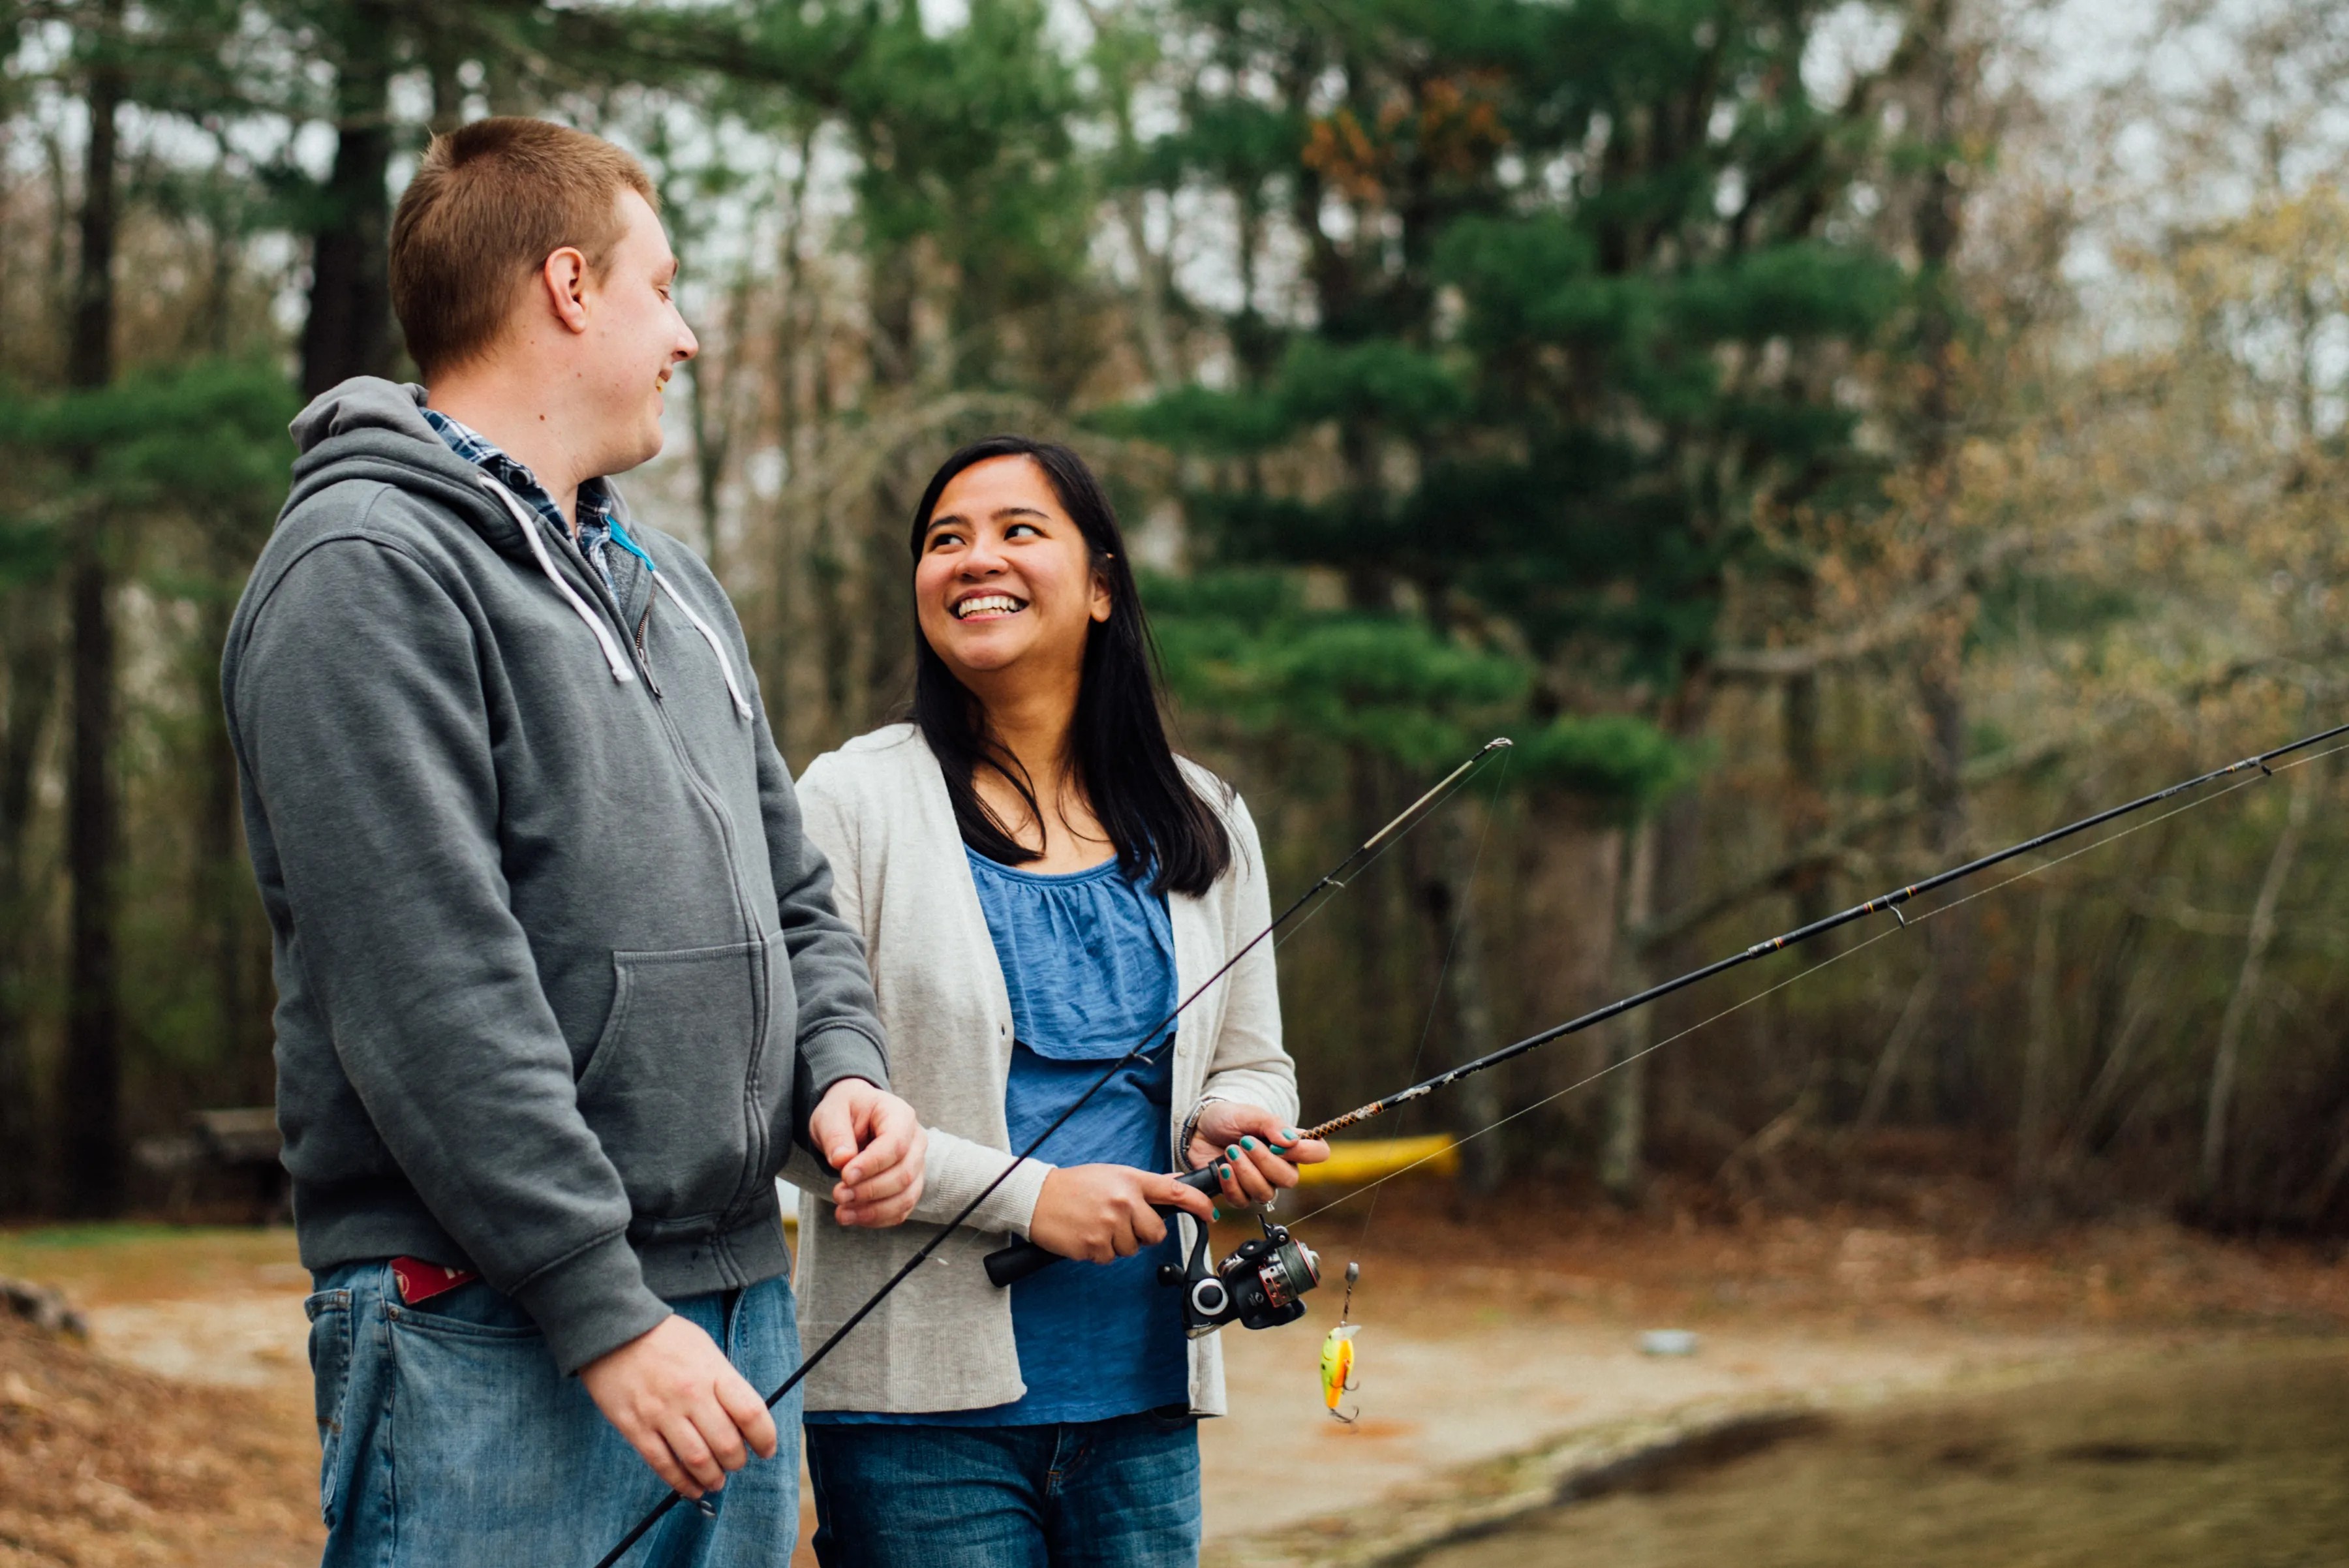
1575,286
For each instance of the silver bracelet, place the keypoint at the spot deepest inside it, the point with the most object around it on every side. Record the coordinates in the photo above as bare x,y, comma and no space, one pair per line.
1191,1130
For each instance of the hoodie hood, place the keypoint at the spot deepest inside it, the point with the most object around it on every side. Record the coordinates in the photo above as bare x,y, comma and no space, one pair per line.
373,431
368,429
362,403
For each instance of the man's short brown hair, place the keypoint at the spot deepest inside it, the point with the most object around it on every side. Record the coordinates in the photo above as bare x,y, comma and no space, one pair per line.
490,201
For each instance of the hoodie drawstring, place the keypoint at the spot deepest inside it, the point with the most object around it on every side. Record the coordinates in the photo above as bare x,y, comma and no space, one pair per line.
725,665
530,523
610,644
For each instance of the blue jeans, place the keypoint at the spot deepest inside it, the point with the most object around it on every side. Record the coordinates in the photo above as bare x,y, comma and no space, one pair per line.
1121,1493
451,1438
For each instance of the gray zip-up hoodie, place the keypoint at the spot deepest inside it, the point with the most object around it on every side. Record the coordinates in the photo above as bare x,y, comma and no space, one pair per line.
559,976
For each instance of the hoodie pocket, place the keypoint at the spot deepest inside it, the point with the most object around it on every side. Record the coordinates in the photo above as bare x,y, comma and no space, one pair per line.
664,1088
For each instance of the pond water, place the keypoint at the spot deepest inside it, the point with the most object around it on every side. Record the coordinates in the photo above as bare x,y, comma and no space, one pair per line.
2224,1455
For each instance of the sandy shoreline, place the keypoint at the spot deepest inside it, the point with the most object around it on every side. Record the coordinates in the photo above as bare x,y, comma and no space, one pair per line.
1484,1347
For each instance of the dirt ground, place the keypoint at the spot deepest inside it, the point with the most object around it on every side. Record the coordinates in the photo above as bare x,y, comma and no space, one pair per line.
1507,1334
183,1433
2215,1454
203,1457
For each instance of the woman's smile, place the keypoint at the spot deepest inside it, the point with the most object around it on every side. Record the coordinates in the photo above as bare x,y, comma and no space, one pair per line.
988,606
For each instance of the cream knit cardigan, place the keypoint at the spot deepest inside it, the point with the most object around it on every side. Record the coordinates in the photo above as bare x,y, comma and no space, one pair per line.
878,808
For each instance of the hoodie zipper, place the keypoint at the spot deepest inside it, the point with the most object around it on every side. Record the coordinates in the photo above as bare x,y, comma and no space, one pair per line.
644,659
754,1122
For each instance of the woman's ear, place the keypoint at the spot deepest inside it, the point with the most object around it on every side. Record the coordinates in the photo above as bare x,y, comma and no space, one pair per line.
1102,601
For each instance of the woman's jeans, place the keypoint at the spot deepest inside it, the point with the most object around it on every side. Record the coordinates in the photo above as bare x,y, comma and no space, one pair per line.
1123,1493
451,1438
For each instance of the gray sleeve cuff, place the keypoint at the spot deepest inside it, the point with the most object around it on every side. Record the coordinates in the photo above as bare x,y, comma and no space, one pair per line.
826,1058
592,1302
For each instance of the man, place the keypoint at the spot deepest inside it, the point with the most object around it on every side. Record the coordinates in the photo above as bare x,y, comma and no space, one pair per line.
559,979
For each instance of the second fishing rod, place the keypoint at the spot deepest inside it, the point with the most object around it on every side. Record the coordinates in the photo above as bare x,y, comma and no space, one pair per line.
1159,1035
1023,1258
1883,903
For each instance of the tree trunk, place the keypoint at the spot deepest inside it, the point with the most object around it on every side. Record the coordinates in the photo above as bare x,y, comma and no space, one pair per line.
2039,1045
1914,1013
803,399
1949,940
1621,1155
714,408
1564,955
1806,804
2225,1062
1458,935
713,427
224,889
1941,662
1372,892
28,625
444,58
348,330
92,1098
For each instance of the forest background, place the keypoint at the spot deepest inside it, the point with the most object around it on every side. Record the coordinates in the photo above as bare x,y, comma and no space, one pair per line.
1831,438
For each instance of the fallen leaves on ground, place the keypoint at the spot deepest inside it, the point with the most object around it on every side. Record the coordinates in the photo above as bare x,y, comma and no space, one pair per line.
102,1465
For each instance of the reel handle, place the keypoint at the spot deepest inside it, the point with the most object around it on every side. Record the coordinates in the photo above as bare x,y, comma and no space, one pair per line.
1007,1265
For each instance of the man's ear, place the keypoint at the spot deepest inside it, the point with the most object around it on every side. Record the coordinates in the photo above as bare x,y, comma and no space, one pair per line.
563,278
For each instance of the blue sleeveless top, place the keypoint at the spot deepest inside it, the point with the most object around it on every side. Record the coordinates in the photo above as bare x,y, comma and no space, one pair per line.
1089,959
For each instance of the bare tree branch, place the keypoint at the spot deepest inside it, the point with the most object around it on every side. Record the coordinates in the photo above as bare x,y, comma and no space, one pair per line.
1903,621
1830,848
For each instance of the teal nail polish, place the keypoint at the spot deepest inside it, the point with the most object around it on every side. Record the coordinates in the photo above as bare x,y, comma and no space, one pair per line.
1214,1213
1233,1152
1291,1133
1248,1143
1280,1148
1225,1172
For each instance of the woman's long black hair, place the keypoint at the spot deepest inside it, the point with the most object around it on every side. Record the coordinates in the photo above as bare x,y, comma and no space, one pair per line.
1118,742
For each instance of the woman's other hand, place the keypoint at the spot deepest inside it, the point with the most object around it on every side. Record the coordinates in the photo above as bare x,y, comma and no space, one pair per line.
1104,1212
1253,1151
877,1145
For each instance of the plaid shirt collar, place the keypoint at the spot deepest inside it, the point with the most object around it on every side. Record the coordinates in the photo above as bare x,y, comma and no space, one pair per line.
593,534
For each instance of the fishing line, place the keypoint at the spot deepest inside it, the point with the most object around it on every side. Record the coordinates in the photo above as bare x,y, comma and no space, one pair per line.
1828,962
1433,799
1338,1349
1443,973
1396,828
1373,1187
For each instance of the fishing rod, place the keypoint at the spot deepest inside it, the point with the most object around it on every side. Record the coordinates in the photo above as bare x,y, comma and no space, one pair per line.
1270,1271
1881,903
1334,878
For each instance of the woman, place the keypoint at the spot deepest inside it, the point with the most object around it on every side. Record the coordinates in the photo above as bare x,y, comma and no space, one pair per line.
1039,879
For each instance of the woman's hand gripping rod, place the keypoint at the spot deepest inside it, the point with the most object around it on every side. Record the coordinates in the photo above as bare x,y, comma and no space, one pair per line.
1159,1035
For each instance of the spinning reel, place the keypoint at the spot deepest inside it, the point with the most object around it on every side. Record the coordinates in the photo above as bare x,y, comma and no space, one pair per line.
1256,1287
1259,1285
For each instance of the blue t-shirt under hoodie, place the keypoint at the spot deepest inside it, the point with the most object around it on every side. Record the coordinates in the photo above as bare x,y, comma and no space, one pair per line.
1089,959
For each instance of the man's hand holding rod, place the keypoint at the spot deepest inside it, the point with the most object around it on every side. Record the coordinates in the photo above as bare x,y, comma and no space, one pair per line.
672,1391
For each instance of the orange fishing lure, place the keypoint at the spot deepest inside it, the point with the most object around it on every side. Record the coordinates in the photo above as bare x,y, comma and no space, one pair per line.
1338,1352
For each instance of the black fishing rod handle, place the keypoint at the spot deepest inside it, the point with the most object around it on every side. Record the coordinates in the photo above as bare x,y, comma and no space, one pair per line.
1007,1266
